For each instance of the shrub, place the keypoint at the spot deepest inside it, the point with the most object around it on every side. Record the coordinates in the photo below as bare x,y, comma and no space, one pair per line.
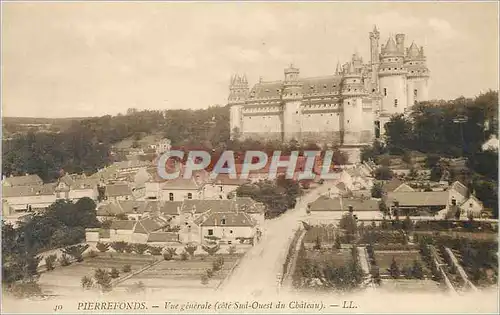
87,282
93,254
114,273
103,279
167,256
102,247
231,250
129,248
184,256
394,269
119,247
218,264
127,268
64,260
317,243
155,250
211,250
76,251
172,251
417,270
49,262
25,289
209,273
204,279
137,287
191,249
141,248
338,244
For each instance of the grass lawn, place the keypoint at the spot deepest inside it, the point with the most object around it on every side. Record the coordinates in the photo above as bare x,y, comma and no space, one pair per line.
338,256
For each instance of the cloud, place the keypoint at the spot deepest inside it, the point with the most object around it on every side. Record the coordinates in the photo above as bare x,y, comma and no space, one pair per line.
442,28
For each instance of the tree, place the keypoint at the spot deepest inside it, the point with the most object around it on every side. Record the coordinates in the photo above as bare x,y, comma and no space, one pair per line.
211,250
394,269
87,282
114,273
217,264
76,251
349,225
191,249
64,260
317,244
417,270
119,246
383,173
155,250
126,268
377,190
140,248
49,262
103,279
102,247
407,224
398,133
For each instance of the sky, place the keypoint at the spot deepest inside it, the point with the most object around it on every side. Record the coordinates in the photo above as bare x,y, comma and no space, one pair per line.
79,59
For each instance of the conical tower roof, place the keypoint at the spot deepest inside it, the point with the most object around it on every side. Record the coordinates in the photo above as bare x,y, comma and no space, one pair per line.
390,47
413,51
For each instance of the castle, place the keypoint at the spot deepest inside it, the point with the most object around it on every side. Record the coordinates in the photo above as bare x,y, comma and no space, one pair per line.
348,108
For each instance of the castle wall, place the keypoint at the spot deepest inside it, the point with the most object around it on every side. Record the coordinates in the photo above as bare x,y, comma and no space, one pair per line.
421,85
353,120
292,120
235,118
262,123
393,89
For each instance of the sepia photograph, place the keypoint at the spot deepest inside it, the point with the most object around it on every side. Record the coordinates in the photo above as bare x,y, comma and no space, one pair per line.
265,157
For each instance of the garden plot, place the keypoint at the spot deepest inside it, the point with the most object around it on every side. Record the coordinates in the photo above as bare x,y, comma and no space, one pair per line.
403,259
178,273
62,279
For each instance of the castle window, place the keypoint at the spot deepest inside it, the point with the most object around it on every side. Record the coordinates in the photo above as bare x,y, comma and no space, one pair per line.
354,80
348,103
373,90
385,91
395,102
415,92
324,86
348,121
190,196
171,196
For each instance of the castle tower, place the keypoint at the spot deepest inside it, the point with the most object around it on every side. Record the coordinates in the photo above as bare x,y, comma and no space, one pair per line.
374,57
238,92
400,43
418,75
392,80
353,92
292,100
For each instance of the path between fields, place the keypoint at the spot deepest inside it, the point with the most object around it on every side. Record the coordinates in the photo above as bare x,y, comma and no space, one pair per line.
261,268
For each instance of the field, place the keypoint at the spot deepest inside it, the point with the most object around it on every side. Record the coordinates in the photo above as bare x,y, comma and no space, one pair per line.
402,258
186,274
64,280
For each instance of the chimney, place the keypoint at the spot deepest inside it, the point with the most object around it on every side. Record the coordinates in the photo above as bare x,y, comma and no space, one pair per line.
396,203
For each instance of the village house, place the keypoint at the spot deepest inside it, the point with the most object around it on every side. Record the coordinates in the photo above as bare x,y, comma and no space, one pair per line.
228,227
27,180
221,187
29,198
419,203
179,189
130,209
472,207
75,187
117,192
326,209
131,231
